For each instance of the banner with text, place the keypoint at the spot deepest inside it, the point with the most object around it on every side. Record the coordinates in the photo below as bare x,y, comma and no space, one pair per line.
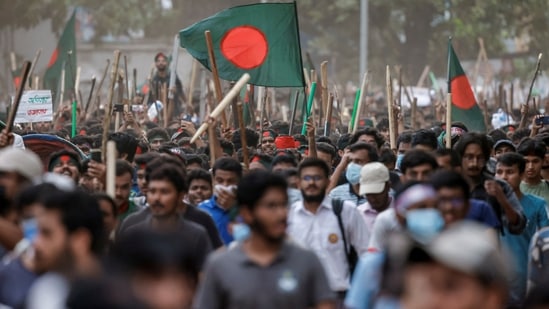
35,106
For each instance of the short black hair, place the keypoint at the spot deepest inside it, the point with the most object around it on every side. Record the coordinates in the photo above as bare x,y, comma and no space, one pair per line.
532,147
170,173
372,151
198,173
450,179
227,164
193,159
284,158
326,148
314,162
454,157
161,161
146,158
425,137
252,138
324,139
78,210
415,158
160,132
102,196
371,132
473,138
125,143
81,139
387,156
512,158
404,138
343,141
123,167
253,186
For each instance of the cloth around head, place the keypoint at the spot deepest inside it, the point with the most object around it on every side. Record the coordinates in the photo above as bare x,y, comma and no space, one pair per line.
24,162
269,133
373,177
284,142
468,247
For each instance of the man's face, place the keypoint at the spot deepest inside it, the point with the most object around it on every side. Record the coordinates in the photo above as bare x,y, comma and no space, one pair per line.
313,183
379,201
268,146
109,217
502,149
85,148
360,156
533,167
370,139
418,173
161,63
11,183
293,181
326,157
423,147
431,285
163,198
156,143
65,165
452,204
269,218
51,243
141,181
404,147
225,178
199,190
123,186
473,160
445,162
86,182
511,174
282,166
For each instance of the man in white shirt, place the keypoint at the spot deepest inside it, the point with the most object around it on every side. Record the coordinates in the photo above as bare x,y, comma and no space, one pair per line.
313,224
375,184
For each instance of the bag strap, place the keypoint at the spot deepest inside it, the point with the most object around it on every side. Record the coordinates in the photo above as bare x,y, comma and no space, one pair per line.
337,206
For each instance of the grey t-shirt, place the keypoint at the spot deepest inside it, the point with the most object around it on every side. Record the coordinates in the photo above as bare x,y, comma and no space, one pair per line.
295,279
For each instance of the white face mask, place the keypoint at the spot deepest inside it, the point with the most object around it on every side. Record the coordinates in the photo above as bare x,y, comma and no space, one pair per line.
230,189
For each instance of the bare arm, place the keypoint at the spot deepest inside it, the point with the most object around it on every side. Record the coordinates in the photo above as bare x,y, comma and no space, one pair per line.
340,169
311,137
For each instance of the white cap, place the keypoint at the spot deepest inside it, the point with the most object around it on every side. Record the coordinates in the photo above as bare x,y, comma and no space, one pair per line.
24,162
373,177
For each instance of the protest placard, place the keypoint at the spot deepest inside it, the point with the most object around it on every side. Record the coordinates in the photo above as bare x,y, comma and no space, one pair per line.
35,106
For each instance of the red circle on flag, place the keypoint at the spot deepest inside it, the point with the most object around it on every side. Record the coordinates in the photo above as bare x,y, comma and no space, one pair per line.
245,46
462,94
53,58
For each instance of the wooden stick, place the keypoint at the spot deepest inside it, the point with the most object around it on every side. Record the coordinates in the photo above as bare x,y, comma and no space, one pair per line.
323,89
164,95
77,86
223,104
423,76
108,107
449,121
111,168
294,111
90,96
62,90
148,95
523,116
243,141
18,95
134,84
98,91
328,121
34,61
414,113
190,91
13,61
307,79
389,86
363,89
215,73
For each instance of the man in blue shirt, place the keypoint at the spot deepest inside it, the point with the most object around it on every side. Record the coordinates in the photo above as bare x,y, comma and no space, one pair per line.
510,167
226,175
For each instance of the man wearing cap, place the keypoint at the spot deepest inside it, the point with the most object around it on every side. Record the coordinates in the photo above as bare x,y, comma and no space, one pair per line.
375,185
66,163
18,168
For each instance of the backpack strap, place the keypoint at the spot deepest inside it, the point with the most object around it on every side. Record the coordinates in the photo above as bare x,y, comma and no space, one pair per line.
337,206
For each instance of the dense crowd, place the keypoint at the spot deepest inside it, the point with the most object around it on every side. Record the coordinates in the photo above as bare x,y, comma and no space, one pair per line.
338,221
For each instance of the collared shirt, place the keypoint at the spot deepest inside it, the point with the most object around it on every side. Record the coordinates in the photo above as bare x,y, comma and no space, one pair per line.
221,217
345,192
369,214
294,279
320,232
385,223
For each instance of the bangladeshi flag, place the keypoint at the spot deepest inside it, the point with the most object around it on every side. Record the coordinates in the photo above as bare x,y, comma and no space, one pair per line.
464,105
60,59
259,39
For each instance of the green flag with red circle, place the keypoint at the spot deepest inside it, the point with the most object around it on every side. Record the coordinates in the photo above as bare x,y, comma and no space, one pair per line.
259,39
464,105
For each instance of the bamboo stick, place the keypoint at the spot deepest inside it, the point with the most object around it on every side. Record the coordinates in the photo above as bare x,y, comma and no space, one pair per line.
449,121
215,73
389,86
363,89
18,96
108,108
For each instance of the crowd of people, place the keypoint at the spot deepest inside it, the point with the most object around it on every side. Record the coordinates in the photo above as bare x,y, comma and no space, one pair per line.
339,221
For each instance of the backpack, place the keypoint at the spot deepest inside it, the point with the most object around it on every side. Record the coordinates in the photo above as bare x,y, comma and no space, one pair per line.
538,259
350,252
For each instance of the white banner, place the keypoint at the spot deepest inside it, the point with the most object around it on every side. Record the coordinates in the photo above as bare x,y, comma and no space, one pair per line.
35,106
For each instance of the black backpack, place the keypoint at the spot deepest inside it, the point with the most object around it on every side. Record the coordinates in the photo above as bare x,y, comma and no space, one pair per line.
350,252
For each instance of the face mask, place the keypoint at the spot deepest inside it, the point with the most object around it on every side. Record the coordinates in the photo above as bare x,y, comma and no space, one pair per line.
230,189
424,224
353,173
241,231
399,160
30,229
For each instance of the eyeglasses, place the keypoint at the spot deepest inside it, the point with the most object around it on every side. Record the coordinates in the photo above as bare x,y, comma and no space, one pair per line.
312,177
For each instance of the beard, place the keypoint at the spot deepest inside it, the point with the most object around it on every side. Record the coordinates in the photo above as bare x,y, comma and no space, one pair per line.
314,198
260,228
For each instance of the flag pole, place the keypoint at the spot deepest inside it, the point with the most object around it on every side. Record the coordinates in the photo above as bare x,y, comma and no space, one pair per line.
324,90
523,116
217,81
93,80
243,141
190,90
294,111
363,89
309,107
62,90
328,121
389,86
18,95
108,107
448,136
173,75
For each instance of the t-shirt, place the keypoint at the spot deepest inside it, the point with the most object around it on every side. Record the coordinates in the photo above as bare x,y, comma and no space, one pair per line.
205,220
540,190
482,212
295,279
385,223
15,283
222,217
535,210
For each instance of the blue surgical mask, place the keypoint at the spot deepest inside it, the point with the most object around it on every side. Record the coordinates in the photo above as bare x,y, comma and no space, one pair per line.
241,231
399,160
424,224
353,173
30,229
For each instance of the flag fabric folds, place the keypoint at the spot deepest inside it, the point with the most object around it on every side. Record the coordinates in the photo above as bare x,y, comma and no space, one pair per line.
259,39
464,105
